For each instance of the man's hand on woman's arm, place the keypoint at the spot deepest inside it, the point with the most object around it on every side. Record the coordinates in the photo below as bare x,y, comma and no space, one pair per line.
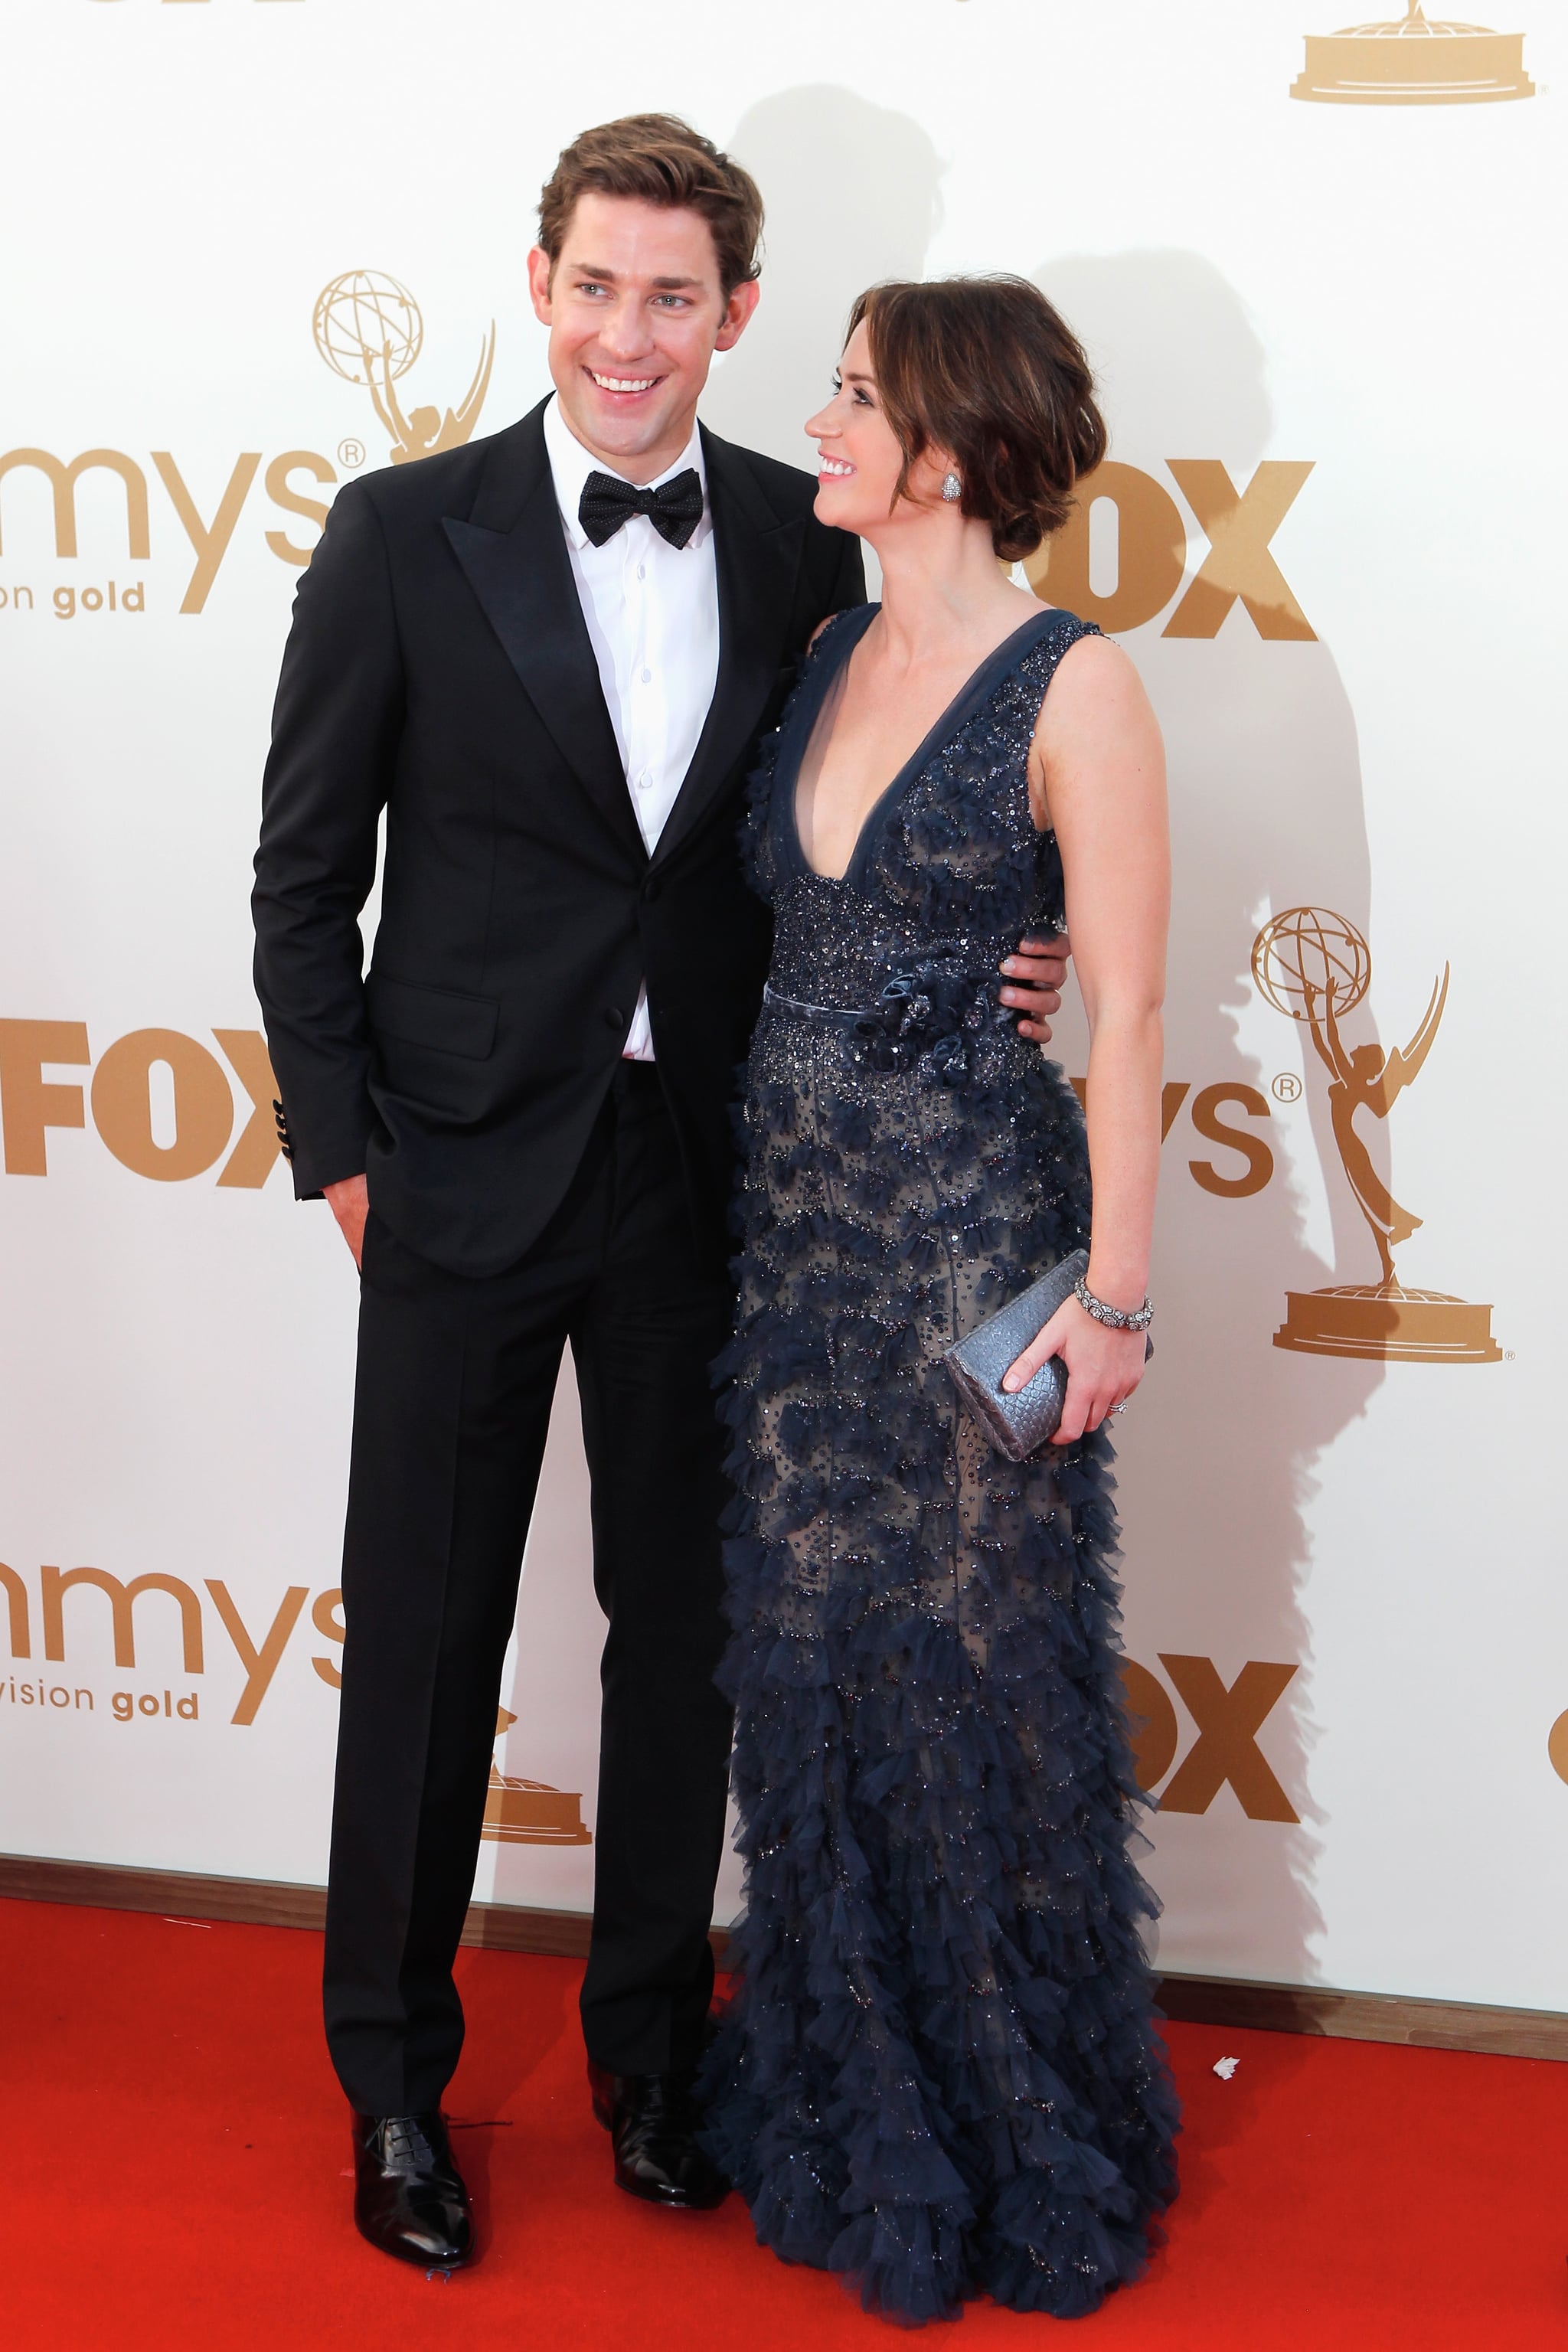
1036,970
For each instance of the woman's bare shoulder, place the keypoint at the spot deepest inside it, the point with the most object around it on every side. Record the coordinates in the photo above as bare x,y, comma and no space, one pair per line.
823,627
1095,684
1096,724
1096,658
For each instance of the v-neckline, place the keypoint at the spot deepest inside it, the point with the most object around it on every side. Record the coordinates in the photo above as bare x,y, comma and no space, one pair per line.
945,726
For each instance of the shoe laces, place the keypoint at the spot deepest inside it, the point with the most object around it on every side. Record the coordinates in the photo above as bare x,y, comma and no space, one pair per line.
406,2146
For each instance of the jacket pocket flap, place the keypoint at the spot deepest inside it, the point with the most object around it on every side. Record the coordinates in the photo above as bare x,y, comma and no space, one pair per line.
435,1017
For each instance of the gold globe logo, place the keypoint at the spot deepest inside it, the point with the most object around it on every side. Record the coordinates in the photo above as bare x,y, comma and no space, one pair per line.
1315,966
370,331
1306,953
1412,60
366,320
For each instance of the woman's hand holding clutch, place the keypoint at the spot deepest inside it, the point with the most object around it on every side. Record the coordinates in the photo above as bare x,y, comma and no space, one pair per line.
1104,1367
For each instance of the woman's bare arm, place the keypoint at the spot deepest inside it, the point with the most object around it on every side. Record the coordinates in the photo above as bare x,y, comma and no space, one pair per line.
1097,777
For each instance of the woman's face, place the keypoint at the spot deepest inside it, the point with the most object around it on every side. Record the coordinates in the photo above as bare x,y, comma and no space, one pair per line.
859,459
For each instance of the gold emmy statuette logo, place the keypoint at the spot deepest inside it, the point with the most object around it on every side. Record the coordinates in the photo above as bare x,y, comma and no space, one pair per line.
369,331
1412,60
531,1812
1316,967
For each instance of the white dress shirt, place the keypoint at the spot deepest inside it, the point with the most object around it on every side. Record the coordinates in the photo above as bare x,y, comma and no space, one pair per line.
652,612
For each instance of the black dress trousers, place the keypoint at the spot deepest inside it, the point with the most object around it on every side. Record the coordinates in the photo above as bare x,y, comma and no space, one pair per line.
451,1407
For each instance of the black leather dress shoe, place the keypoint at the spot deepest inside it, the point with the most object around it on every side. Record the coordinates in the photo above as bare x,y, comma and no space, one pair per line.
652,2120
409,2198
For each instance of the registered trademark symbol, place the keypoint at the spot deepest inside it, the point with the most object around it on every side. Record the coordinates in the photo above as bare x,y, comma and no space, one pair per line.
1286,1087
1507,1355
351,452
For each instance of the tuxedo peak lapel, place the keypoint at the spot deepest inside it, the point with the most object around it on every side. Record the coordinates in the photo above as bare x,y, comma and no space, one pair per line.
513,553
757,557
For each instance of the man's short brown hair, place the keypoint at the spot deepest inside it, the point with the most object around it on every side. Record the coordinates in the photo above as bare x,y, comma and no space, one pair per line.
662,160
985,368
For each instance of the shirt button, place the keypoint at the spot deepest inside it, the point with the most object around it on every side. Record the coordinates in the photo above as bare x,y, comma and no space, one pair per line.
642,571
645,781
647,677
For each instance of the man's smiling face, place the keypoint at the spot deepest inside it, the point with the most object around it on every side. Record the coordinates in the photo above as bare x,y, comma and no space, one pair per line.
636,312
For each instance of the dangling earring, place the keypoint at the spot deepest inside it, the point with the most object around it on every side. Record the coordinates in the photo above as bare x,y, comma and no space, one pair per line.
951,487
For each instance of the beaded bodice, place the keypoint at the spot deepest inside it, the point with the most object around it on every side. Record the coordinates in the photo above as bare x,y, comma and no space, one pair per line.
950,870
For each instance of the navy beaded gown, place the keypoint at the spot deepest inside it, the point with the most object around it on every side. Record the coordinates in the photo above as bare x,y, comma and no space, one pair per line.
941,2073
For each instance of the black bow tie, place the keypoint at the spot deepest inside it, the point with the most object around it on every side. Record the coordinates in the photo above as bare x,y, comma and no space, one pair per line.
674,509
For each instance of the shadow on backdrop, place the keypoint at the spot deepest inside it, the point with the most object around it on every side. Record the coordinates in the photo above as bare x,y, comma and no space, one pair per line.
1267,814
853,194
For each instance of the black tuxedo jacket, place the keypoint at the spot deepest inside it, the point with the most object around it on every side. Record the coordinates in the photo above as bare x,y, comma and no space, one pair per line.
439,668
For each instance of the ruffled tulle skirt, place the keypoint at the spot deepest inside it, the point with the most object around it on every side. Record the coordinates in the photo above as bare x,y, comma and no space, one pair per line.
940,2074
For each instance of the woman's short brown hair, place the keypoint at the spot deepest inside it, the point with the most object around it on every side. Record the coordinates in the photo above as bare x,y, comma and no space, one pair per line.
985,369
662,160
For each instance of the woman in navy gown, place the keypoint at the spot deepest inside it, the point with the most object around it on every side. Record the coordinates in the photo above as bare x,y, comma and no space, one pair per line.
941,2074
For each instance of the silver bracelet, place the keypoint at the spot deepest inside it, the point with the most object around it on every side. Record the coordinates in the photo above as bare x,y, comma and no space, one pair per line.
1112,1317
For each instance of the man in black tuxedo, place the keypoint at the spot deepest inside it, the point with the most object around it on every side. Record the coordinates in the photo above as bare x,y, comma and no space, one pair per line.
547,658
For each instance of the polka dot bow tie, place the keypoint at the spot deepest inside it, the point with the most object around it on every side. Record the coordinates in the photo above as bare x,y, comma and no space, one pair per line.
674,509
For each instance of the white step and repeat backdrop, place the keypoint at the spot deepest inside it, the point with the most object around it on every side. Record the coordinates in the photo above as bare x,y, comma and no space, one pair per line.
1312,269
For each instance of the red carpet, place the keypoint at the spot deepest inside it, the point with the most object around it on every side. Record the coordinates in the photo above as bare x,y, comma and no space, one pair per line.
176,2151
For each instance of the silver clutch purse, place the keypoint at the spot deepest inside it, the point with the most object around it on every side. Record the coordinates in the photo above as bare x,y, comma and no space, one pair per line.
1018,1424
